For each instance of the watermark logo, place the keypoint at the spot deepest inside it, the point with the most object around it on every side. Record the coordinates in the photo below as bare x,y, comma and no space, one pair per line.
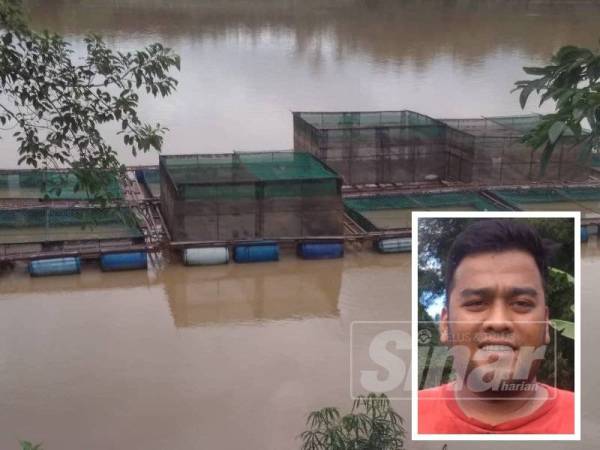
478,361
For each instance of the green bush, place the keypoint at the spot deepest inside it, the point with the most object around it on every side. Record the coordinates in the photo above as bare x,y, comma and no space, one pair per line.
371,425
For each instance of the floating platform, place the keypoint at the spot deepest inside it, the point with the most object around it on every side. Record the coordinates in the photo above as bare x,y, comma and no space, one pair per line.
379,214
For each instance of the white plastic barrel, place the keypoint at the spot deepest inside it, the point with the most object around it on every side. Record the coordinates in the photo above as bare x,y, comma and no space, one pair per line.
205,256
394,245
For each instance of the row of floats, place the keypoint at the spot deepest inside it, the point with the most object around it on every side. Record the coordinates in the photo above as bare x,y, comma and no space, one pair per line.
72,264
264,251
261,251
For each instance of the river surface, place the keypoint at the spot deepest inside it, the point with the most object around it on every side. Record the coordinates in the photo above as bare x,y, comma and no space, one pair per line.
233,357
247,64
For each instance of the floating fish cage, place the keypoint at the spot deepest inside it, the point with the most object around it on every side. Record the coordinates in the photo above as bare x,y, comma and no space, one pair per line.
382,146
48,184
407,147
498,155
33,232
245,196
48,224
583,199
394,212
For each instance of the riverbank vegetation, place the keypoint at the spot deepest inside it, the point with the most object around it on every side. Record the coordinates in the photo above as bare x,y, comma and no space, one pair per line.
372,424
56,107
572,82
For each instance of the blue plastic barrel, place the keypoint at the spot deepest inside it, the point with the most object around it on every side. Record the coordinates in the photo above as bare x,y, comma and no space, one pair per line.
584,234
256,252
205,256
54,266
394,245
320,250
139,175
123,261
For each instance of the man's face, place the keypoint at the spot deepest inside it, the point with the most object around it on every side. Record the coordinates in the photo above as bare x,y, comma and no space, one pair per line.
496,310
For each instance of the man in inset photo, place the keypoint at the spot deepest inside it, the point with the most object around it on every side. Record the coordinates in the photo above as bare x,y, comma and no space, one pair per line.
495,322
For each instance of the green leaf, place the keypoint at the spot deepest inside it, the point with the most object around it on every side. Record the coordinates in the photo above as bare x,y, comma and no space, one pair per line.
569,277
536,70
578,114
566,328
7,39
556,131
525,93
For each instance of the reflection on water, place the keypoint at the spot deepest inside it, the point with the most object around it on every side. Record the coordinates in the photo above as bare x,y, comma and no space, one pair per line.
290,289
247,64
18,282
388,30
175,359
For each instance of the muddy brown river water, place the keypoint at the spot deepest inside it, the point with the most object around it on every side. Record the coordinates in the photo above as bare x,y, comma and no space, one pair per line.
233,357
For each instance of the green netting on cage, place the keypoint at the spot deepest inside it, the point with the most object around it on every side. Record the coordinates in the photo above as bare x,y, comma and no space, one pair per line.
215,192
581,193
380,202
522,124
454,201
43,224
333,120
300,189
533,195
209,172
450,200
394,212
585,200
285,166
250,176
56,185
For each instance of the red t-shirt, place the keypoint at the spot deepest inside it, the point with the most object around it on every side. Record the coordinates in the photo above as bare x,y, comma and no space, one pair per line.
439,413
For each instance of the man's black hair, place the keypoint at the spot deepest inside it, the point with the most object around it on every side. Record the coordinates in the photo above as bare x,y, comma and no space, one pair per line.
496,235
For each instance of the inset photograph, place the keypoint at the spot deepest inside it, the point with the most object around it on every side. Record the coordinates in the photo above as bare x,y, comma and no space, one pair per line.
496,299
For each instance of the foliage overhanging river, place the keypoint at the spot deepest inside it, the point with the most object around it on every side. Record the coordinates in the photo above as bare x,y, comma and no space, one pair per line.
235,356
